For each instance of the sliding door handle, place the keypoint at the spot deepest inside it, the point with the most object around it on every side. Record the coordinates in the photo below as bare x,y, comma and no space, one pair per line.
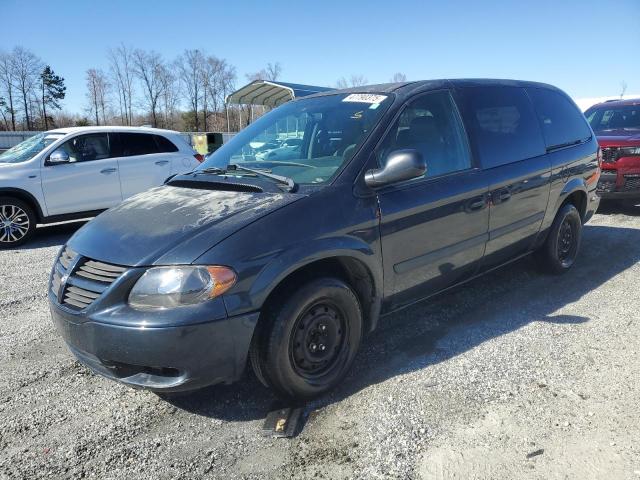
477,203
107,171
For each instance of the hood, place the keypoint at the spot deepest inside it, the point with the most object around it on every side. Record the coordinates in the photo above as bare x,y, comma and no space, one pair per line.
619,137
171,225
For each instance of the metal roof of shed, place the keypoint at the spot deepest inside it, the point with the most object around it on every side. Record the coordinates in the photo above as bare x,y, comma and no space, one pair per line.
271,93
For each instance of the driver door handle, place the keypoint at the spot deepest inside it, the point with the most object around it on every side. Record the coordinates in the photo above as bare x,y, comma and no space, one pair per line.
162,162
107,171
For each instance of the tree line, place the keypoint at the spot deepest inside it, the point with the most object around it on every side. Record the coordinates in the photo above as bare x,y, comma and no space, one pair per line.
30,91
138,87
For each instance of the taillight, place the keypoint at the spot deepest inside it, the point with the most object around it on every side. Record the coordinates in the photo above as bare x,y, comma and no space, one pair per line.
199,157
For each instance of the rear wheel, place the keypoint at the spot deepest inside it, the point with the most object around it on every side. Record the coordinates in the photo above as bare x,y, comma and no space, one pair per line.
17,222
306,343
561,247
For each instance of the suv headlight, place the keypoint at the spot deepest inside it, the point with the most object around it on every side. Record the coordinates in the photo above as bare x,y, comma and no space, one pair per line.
632,151
170,287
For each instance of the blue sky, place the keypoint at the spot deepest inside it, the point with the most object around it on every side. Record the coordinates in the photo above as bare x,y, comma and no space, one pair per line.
585,47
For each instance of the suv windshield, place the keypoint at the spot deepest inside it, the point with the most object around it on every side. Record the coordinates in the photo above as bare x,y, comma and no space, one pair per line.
306,140
624,117
29,148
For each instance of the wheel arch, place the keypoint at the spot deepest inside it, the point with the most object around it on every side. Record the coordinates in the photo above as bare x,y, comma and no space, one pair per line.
26,197
575,192
354,267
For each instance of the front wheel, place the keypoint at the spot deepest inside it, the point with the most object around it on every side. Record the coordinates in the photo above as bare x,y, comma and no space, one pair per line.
17,222
560,249
306,343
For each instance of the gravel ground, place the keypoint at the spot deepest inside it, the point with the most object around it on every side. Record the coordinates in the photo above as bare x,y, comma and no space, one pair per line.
515,375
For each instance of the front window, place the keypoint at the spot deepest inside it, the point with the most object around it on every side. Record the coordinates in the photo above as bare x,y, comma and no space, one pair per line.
307,140
604,118
29,148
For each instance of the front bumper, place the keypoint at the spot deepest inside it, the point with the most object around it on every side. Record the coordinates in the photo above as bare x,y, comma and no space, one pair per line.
618,184
166,358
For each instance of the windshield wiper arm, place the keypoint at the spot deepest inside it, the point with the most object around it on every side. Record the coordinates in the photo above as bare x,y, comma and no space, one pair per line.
289,182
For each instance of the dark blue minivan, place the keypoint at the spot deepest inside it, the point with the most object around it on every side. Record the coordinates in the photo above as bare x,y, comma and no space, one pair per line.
287,244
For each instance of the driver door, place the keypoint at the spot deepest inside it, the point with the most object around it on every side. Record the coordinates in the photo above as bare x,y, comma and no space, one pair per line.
89,181
434,229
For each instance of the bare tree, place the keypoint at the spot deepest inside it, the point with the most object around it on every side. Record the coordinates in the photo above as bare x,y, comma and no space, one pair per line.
26,69
354,81
398,77
149,68
169,96
6,83
191,66
121,66
97,86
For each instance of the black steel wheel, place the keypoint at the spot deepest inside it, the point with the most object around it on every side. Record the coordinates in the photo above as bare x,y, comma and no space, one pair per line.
306,342
559,252
318,340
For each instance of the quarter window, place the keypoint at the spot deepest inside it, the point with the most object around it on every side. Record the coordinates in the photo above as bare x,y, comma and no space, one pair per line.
431,125
502,124
562,123
85,148
164,144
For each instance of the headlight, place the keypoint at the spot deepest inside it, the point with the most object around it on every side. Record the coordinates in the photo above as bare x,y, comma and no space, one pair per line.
629,151
170,287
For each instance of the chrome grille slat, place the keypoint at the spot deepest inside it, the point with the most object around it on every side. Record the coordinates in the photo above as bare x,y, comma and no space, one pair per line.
78,298
71,301
98,278
85,293
95,271
104,266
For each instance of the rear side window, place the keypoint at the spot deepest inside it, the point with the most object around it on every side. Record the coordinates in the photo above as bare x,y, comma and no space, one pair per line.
137,144
164,144
562,123
502,124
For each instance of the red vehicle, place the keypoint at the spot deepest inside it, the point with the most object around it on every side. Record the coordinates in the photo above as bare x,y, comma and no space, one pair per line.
616,123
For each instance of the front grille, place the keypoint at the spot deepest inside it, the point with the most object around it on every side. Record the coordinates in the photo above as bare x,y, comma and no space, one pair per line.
86,279
631,183
610,154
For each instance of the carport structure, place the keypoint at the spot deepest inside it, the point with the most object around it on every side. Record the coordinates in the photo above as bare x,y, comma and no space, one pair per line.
270,93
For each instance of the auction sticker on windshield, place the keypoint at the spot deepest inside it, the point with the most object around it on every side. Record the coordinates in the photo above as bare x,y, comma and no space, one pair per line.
364,98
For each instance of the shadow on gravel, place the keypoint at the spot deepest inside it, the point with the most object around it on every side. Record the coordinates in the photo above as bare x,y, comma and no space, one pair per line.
611,207
52,235
448,325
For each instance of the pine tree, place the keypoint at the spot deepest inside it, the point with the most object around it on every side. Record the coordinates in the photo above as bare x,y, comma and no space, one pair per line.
53,90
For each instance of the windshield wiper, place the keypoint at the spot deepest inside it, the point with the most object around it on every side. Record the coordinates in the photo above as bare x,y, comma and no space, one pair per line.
288,182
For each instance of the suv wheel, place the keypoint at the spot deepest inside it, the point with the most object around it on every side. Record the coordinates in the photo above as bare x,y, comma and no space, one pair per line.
560,249
17,222
307,344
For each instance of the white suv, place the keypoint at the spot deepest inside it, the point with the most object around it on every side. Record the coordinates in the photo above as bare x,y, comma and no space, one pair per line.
72,173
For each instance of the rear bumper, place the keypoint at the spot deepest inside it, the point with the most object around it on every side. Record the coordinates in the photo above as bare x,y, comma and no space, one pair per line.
168,358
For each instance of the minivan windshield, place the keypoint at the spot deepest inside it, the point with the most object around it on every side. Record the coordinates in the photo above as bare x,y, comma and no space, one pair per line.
307,140
29,148
623,117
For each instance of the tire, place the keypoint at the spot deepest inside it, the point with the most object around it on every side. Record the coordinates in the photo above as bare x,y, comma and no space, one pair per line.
17,222
306,342
561,247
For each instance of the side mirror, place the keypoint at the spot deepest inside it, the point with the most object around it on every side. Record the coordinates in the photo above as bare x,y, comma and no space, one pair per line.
59,156
401,165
